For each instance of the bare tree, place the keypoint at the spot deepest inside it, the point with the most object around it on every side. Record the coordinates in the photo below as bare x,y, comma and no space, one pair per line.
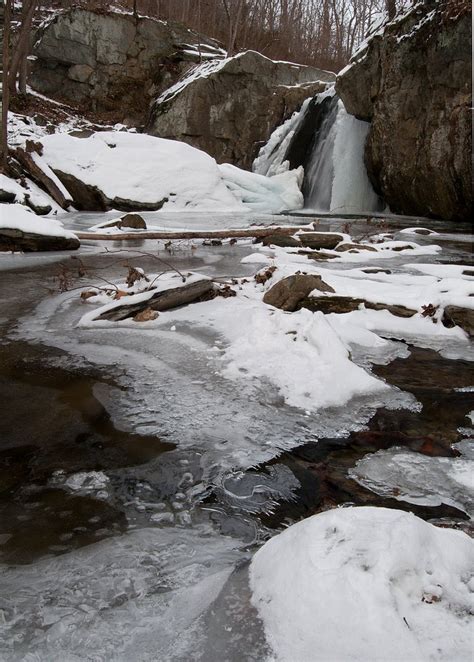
7,15
21,49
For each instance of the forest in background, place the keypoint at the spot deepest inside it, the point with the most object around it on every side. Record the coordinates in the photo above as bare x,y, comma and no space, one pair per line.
322,33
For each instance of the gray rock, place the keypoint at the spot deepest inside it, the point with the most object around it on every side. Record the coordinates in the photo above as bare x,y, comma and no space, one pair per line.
80,72
289,292
234,108
413,83
457,316
134,221
109,62
317,240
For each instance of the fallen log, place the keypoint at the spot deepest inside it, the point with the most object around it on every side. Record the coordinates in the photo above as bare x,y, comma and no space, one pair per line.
258,232
40,177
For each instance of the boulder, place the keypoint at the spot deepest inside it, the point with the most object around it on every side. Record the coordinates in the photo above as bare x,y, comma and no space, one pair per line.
108,61
288,293
88,197
161,300
317,240
13,239
230,108
413,83
457,316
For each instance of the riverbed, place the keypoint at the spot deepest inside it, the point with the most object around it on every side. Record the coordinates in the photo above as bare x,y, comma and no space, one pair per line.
137,481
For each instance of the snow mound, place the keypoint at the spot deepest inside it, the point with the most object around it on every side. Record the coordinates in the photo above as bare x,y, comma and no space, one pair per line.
301,355
365,584
18,217
146,171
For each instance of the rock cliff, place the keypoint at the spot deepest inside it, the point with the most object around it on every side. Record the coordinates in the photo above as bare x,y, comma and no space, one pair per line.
230,108
413,83
111,61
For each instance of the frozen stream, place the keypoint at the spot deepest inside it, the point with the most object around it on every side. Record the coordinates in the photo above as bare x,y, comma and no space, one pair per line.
137,479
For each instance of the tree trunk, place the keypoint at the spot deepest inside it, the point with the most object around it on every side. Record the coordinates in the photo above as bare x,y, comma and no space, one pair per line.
5,92
21,50
391,8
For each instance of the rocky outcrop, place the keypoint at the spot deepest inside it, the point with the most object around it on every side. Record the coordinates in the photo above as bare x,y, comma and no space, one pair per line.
413,83
110,61
230,108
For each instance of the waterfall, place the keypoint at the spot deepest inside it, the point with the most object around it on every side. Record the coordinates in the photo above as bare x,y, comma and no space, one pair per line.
329,143
336,178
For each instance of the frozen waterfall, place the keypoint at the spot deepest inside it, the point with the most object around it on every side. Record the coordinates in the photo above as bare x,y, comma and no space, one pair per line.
336,176
329,143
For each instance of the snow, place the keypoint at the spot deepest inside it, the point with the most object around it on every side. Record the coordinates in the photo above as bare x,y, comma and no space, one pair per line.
408,476
17,217
146,169
358,584
273,195
301,355
27,191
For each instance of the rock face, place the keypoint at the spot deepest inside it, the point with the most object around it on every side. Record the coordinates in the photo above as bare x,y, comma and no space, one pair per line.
229,108
112,62
413,83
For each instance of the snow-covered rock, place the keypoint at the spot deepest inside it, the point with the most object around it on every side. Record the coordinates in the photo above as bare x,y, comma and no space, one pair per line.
229,107
359,584
21,229
132,171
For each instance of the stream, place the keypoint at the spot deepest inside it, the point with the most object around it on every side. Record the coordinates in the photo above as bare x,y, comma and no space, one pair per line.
137,482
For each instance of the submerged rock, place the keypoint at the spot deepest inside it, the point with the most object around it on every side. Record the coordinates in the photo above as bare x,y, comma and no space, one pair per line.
412,82
288,293
229,108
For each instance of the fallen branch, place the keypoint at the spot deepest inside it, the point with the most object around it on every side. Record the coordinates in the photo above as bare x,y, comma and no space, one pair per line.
195,234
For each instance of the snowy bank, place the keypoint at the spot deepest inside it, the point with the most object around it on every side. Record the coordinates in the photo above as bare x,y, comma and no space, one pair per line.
136,171
21,229
359,584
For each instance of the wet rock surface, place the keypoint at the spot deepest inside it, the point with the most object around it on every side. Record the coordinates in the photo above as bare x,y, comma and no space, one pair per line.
418,153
